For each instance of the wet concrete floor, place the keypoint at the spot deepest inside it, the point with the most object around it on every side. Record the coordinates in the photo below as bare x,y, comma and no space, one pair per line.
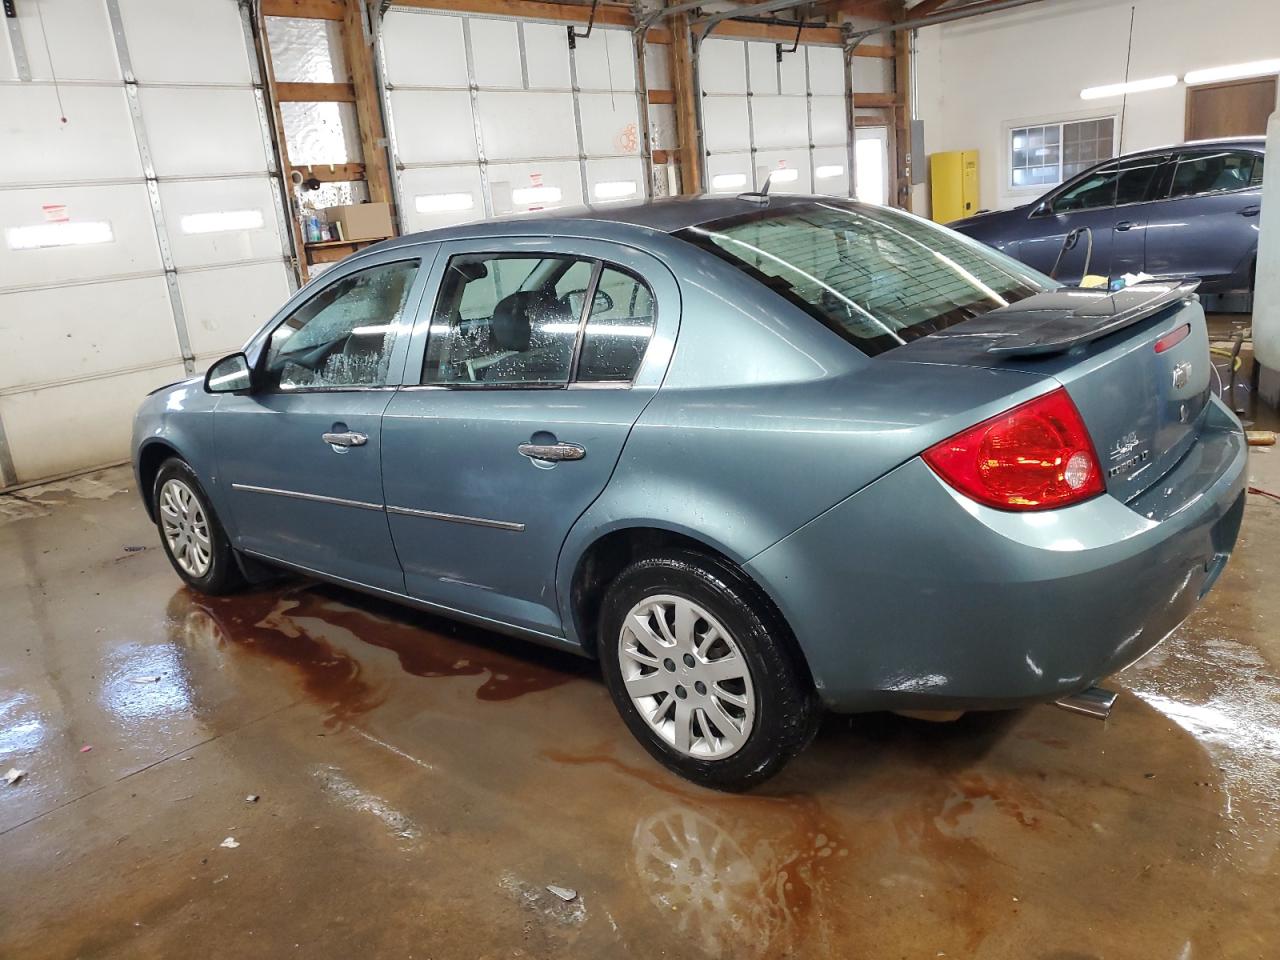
420,784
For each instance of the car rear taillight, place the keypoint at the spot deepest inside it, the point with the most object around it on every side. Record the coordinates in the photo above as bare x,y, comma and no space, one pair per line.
1034,457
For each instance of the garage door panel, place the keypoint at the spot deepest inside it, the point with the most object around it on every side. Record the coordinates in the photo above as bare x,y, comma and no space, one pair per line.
433,126
225,306
424,49
524,124
610,125
203,132
606,61
72,332
612,181
830,121
722,66
533,186
131,247
826,70
219,56
220,221
725,124
729,172
780,122
789,170
546,52
830,171
78,35
763,62
93,420
441,196
497,53
97,142
795,79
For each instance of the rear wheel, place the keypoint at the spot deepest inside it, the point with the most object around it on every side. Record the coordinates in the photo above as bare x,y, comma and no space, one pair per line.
190,532
700,667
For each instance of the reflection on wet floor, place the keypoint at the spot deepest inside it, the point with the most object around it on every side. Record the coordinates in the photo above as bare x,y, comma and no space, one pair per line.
421,784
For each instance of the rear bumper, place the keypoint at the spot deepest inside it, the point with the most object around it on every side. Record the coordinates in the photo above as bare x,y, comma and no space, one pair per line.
908,595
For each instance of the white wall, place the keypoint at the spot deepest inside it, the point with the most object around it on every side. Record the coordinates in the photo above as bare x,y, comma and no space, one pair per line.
978,78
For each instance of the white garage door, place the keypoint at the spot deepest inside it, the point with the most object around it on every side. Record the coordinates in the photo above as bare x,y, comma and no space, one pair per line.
141,228
491,116
762,116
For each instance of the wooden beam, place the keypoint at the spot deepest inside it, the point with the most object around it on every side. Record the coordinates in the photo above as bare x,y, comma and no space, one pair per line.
776,33
884,10
662,96
614,15
316,92
902,118
873,50
925,7
686,105
308,9
875,100
658,35
662,156
373,139
332,172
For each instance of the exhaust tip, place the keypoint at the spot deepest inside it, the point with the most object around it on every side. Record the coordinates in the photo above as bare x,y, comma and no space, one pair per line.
1095,702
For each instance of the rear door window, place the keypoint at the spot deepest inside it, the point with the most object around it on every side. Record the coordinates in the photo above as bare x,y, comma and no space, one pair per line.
1218,171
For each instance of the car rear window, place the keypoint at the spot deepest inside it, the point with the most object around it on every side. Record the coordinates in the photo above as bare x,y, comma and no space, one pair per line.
876,277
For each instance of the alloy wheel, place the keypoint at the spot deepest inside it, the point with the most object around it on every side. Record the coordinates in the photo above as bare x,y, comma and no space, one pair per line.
185,528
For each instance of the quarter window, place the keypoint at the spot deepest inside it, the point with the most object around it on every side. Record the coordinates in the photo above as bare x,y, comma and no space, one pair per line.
1213,173
343,336
618,329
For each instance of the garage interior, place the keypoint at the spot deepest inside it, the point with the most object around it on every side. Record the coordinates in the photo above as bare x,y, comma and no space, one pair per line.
303,770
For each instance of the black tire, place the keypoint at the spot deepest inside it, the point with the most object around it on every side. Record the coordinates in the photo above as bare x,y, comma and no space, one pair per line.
223,574
786,708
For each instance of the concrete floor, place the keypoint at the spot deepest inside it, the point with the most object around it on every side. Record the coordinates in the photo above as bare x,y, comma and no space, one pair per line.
420,784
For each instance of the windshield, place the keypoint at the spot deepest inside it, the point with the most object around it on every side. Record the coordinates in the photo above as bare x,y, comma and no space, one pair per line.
876,277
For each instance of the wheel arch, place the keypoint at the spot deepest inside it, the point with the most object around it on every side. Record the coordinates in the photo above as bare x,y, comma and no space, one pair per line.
151,455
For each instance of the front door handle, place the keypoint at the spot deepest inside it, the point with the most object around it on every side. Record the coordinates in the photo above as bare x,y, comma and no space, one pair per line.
1252,210
348,439
552,452
1124,225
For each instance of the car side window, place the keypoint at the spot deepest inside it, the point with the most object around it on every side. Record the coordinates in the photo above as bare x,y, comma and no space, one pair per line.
343,336
1110,185
617,329
1215,172
503,320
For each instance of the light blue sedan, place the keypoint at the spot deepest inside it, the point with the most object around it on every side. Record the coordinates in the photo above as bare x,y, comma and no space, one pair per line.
760,456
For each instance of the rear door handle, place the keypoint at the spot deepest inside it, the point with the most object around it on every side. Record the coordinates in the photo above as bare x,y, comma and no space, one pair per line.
552,452
1124,225
348,439
1250,211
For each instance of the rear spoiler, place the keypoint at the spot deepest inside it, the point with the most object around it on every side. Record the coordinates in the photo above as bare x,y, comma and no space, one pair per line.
1056,321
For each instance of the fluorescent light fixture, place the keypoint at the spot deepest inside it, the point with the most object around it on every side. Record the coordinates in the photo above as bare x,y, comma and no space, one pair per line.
1133,86
728,181
222,221
827,172
614,189
1232,71
527,195
67,233
785,175
443,202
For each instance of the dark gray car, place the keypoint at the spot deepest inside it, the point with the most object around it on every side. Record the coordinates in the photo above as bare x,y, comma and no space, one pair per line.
1189,211
760,456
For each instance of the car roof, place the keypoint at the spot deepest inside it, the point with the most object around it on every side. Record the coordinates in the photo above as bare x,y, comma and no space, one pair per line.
1258,143
666,215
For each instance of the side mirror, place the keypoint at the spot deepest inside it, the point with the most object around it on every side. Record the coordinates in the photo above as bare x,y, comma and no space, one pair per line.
1041,209
229,375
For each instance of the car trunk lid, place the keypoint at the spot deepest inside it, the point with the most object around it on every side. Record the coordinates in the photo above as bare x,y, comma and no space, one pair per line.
1135,362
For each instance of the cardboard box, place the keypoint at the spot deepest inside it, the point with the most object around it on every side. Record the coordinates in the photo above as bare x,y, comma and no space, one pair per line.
361,221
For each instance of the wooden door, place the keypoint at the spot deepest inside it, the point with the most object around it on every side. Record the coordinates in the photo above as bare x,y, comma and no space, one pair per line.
1236,109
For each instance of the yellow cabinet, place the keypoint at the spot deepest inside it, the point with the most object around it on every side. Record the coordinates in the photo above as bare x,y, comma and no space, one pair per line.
953,184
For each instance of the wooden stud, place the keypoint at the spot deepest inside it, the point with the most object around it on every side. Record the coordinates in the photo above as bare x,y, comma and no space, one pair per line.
273,100
368,110
770,31
662,96
316,92
308,9
875,99
332,172
662,156
902,118
686,105
614,15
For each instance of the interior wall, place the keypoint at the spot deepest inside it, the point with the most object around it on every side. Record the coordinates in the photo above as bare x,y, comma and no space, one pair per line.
978,78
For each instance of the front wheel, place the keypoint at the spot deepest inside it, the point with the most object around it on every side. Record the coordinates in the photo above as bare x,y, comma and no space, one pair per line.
190,532
699,665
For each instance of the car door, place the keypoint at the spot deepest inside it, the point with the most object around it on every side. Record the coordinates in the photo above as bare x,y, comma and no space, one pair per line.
1206,225
1105,209
300,453
534,362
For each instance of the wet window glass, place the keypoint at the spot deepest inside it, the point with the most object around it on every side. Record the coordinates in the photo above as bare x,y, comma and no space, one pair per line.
875,277
506,320
343,336
618,329
1212,173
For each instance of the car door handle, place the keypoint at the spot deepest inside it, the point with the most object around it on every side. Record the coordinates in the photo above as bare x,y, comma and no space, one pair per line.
1252,210
348,439
552,452
1124,225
